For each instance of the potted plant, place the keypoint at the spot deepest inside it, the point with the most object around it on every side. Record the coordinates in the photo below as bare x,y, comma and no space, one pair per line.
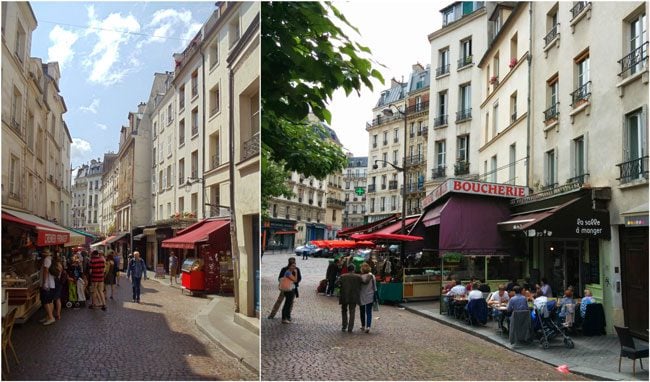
513,62
494,80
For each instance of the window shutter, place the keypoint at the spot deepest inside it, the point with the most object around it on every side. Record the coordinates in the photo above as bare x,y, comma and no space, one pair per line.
586,151
573,169
644,131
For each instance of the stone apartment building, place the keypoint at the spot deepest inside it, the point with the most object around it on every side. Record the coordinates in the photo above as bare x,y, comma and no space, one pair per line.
354,179
87,196
35,139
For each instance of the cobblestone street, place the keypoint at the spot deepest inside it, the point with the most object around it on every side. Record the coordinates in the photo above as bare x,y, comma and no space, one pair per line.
401,346
154,340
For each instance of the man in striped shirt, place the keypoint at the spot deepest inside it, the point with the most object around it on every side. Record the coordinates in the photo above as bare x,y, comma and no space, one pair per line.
97,264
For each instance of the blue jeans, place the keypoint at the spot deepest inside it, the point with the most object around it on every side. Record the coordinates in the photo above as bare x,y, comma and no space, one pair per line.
136,287
365,312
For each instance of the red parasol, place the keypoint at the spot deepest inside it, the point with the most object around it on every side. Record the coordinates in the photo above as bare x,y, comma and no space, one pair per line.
385,236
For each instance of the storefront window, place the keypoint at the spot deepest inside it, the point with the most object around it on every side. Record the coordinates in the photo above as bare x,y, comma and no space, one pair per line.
592,269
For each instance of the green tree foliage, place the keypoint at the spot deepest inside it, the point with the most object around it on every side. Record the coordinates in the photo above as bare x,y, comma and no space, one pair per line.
306,57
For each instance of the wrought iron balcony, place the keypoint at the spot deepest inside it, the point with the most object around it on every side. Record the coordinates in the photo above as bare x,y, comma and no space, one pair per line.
438,172
461,168
464,61
414,160
578,8
214,160
418,107
383,186
581,94
392,185
444,69
440,121
551,35
635,61
251,147
633,169
548,186
552,112
463,115
580,179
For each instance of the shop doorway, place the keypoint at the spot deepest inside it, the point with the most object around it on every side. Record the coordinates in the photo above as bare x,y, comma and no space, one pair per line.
634,279
563,267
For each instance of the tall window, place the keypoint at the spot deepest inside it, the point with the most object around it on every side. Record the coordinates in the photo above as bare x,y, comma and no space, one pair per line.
466,51
465,97
214,100
16,109
638,37
513,107
181,204
550,168
579,156
493,169
443,62
195,164
442,105
233,31
181,97
195,83
440,153
181,171
513,166
195,121
393,203
395,135
214,53
13,176
495,119
382,204
21,37
463,147
181,132
170,114
583,71
385,138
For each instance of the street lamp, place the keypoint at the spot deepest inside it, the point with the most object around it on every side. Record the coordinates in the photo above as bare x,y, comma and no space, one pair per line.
389,113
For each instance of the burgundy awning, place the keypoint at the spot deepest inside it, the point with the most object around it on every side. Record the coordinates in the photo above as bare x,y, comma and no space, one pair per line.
397,227
366,227
285,232
385,237
207,230
432,217
47,233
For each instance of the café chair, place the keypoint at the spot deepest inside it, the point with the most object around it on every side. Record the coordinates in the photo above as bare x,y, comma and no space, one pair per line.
477,312
630,349
520,328
593,323
7,330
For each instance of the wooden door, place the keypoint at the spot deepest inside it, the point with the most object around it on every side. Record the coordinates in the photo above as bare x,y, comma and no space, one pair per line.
634,279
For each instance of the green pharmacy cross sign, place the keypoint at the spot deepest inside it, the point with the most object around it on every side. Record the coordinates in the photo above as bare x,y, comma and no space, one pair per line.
360,191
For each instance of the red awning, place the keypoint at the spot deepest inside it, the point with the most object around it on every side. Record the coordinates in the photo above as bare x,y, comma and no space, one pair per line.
47,233
366,227
397,227
203,231
342,243
385,237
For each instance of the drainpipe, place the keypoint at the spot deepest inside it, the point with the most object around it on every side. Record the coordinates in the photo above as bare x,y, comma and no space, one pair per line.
231,166
203,140
530,93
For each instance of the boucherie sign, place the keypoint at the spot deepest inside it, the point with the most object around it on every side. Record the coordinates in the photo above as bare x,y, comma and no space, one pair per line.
476,188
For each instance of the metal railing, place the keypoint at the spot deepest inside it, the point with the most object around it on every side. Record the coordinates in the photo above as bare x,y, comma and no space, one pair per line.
552,112
461,168
418,107
580,179
392,185
372,187
444,69
440,120
464,61
581,93
438,172
633,169
195,129
463,115
414,159
548,186
578,8
551,35
251,147
634,61
380,119
214,161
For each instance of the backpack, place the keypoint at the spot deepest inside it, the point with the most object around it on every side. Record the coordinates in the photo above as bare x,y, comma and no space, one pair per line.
55,269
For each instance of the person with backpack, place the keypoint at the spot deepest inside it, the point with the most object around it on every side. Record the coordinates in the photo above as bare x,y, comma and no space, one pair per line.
137,270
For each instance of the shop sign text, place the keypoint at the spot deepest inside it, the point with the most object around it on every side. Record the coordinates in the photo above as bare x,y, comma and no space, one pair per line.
476,188
589,227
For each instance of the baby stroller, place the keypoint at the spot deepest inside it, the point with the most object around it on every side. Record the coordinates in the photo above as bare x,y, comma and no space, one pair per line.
547,326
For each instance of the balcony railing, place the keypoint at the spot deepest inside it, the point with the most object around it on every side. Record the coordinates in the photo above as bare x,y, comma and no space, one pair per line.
633,169
251,147
461,168
464,61
424,130
579,7
195,130
581,94
463,115
413,211
440,120
580,179
418,107
181,180
371,187
635,61
548,186
214,161
380,120
414,159
335,202
552,112
551,35
392,185
444,69
438,172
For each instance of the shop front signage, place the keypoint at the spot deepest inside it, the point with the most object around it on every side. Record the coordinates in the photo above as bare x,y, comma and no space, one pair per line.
589,227
475,188
52,238
636,221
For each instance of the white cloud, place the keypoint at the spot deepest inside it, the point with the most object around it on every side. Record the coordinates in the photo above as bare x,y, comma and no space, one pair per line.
79,149
166,22
104,60
190,33
92,107
61,49
101,126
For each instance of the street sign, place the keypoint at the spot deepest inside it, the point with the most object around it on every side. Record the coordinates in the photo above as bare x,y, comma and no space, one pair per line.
360,191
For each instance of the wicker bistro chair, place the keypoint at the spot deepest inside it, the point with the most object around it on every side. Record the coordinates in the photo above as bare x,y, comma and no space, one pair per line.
630,349
7,330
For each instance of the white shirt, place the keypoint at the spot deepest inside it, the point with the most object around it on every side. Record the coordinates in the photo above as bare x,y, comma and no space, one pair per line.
540,302
495,297
457,290
49,283
475,294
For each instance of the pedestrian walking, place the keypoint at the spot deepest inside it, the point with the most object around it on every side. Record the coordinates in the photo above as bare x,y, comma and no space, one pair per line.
97,266
47,289
350,284
117,263
278,302
56,270
331,274
137,270
173,268
109,274
287,287
366,297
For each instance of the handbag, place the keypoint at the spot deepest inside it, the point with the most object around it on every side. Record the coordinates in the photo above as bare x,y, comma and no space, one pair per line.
286,284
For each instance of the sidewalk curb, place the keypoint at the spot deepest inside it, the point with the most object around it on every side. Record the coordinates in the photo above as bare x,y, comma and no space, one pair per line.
218,337
577,371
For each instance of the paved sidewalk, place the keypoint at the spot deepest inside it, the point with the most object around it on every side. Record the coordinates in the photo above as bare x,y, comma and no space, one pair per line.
593,357
235,333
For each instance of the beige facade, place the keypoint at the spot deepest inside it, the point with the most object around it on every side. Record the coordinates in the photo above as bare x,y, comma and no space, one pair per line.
355,177
456,94
503,112
108,194
335,204
590,121
35,139
88,198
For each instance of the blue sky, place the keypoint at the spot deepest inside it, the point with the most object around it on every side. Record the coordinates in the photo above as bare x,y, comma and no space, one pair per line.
104,73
